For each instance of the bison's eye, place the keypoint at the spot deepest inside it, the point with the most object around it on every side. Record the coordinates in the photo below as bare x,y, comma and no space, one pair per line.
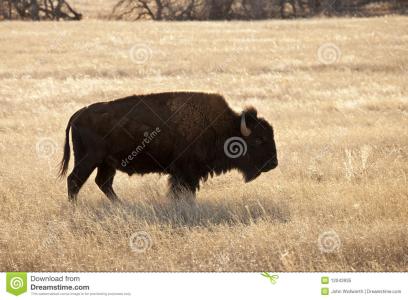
259,141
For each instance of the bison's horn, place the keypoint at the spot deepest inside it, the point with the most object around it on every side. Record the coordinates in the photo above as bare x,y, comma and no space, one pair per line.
244,129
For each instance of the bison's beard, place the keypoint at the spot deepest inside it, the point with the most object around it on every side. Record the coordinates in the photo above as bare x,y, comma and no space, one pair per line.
251,175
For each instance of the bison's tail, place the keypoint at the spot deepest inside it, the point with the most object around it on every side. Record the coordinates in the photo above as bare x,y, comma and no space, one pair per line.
67,151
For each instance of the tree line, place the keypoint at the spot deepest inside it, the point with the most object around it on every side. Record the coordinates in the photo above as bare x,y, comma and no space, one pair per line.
183,10
180,10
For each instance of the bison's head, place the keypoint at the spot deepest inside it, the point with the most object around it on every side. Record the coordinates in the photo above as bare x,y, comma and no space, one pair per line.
260,145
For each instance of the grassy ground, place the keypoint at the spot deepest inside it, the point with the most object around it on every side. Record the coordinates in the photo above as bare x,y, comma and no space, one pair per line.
335,91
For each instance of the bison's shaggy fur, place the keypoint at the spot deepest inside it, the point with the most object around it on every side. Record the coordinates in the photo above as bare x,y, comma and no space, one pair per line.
182,134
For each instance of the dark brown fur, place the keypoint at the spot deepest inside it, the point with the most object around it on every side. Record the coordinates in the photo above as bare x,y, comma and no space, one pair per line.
193,128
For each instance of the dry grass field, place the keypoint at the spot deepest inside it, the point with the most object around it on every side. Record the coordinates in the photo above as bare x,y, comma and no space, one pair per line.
335,90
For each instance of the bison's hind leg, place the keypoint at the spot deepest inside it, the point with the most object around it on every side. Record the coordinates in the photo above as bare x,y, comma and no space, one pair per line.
84,165
104,179
77,178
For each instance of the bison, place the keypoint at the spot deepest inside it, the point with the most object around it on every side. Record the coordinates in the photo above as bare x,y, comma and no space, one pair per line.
187,135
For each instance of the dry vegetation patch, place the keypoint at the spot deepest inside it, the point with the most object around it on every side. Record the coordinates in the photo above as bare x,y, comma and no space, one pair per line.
337,202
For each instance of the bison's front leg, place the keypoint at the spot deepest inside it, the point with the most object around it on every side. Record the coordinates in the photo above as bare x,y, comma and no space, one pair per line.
182,187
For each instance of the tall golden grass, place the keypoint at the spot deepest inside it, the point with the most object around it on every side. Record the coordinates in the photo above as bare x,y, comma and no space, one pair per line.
335,90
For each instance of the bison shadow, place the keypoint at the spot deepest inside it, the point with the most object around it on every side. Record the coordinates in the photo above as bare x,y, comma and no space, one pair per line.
202,212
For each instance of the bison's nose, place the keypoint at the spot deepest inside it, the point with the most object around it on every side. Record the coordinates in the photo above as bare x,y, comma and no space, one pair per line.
272,164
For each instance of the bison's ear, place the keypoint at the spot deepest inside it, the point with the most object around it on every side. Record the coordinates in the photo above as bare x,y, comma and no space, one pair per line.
251,113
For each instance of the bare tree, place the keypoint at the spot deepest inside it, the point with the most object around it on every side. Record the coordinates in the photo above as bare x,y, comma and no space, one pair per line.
254,9
38,10
219,9
156,9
